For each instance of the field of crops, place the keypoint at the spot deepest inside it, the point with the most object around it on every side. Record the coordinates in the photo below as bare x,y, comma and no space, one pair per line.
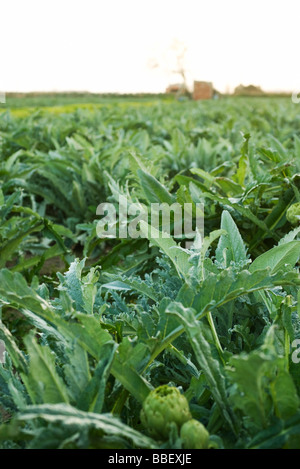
147,341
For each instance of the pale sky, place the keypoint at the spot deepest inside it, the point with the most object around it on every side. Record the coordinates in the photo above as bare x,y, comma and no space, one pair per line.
106,46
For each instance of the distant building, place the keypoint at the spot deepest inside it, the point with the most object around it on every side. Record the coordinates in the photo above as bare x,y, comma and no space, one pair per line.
203,90
176,88
249,90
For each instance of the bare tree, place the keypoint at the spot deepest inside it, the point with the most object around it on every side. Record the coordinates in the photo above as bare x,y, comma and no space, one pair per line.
173,63
180,50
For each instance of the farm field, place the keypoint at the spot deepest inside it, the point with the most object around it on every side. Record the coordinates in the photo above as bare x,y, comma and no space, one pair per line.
125,341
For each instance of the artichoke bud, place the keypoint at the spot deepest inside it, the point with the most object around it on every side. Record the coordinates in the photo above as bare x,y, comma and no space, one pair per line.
163,407
293,214
194,435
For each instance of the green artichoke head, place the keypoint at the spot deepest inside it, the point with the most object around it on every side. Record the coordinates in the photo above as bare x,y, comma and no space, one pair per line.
162,408
194,435
293,214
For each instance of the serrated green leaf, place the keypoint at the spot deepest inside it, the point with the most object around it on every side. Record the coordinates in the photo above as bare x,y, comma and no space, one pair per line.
179,258
42,381
231,246
208,364
277,257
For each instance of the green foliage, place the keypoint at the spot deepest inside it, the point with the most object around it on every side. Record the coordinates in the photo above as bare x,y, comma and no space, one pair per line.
94,327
